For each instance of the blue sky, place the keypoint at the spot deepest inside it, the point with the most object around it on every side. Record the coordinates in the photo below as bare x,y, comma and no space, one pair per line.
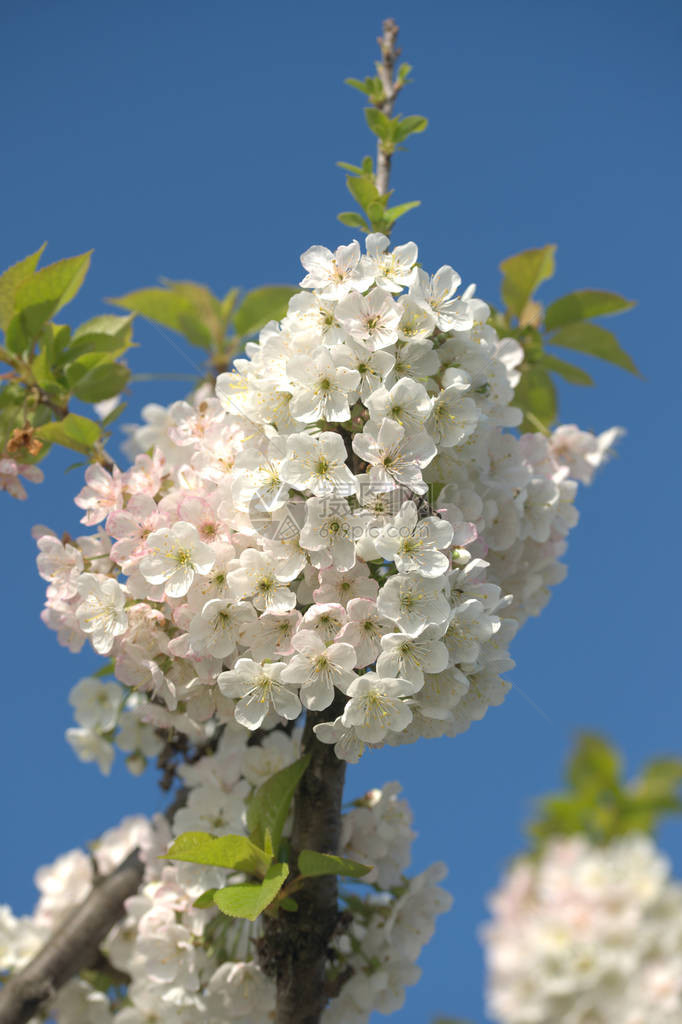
199,141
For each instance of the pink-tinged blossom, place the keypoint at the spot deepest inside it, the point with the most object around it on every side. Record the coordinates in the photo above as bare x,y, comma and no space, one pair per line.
11,470
60,564
219,627
132,526
102,494
176,556
101,613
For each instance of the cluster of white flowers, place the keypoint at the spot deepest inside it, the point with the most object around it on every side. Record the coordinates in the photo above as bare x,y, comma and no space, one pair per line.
587,935
345,524
186,963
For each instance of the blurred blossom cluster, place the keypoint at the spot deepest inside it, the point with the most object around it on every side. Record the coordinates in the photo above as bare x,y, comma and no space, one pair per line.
587,935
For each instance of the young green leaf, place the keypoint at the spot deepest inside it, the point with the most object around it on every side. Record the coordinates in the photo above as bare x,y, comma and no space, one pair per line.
77,432
353,220
235,852
261,305
595,341
355,83
251,898
573,374
411,125
523,273
40,296
10,281
583,305
536,397
382,126
393,212
206,304
269,805
170,308
102,381
595,764
227,304
107,333
205,900
311,864
352,168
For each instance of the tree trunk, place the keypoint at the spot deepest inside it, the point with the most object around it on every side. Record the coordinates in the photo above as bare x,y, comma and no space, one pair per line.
294,948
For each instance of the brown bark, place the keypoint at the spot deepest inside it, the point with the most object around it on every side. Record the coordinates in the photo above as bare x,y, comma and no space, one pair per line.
294,948
73,947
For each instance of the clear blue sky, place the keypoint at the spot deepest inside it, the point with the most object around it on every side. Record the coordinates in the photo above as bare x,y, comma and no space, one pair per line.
199,141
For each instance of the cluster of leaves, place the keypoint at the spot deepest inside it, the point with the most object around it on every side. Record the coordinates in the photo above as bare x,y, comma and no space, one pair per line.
566,323
390,133
218,326
261,855
600,804
50,365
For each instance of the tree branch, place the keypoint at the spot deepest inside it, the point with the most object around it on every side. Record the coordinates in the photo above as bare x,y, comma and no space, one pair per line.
294,948
73,947
391,88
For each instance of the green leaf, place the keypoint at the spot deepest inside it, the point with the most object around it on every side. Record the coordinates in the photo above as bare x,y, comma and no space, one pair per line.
207,305
39,297
205,900
235,852
114,414
355,83
269,805
353,220
583,305
573,374
523,274
289,903
363,189
10,281
169,308
536,396
108,333
77,432
403,71
227,305
394,212
595,341
352,168
42,368
103,381
381,125
595,764
411,125
311,864
251,898
260,306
